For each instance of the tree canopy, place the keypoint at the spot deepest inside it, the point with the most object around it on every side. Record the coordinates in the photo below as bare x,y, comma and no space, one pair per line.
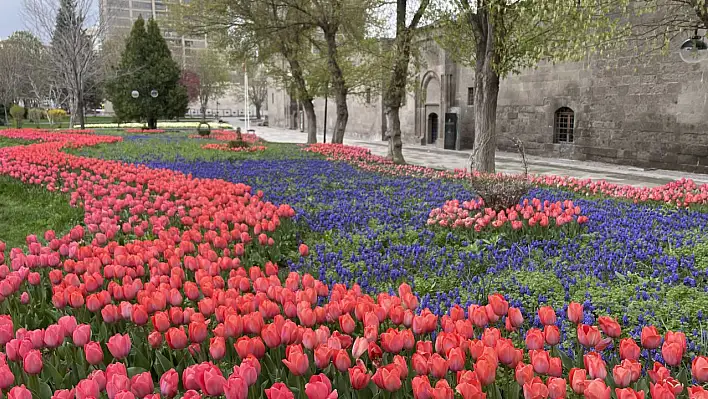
146,65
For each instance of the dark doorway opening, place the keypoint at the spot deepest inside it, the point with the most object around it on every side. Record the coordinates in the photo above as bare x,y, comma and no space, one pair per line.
432,128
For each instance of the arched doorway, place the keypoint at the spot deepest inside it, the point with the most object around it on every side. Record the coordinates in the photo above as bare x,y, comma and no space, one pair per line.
432,127
429,120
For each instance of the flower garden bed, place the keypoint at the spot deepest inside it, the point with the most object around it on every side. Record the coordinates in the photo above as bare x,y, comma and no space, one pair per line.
182,284
226,147
144,131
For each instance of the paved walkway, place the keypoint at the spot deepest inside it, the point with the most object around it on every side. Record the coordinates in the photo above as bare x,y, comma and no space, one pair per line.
505,161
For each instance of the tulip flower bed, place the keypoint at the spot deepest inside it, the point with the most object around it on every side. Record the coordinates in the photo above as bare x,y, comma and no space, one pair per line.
144,131
473,215
682,192
176,284
226,147
228,135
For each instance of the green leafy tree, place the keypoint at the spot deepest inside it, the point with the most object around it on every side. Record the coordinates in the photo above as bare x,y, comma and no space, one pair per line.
500,37
213,75
18,114
146,65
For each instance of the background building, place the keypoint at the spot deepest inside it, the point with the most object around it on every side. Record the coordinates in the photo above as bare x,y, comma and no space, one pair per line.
119,16
648,111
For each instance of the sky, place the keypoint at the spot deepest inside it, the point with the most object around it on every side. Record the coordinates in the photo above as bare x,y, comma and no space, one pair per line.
10,17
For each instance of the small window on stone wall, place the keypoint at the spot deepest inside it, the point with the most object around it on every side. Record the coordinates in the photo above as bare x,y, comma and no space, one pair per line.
470,96
564,125
368,95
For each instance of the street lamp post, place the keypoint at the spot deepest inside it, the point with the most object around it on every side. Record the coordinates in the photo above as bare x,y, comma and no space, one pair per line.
153,93
217,110
694,50
324,138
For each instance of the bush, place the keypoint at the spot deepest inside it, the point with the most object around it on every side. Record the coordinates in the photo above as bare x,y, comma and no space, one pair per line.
204,129
501,192
35,115
238,144
18,114
55,115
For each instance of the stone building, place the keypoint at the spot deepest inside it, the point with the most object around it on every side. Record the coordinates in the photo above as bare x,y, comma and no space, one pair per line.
649,112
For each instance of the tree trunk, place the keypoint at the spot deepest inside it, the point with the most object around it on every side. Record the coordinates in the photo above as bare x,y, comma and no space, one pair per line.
485,102
258,110
311,121
80,110
152,123
340,88
395,145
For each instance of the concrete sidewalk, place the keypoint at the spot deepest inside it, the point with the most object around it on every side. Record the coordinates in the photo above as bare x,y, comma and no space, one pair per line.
505,162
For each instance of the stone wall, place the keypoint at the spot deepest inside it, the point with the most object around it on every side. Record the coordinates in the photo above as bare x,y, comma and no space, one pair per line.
648,112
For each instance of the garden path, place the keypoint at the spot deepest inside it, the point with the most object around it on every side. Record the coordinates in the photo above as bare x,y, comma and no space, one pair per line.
506,162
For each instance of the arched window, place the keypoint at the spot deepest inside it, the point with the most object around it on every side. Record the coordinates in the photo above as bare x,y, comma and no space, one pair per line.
564,125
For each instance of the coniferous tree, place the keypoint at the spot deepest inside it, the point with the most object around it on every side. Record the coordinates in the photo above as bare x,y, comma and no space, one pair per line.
146,65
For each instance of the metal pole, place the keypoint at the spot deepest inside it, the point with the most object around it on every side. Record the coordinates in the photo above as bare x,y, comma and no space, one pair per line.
324,139
245,105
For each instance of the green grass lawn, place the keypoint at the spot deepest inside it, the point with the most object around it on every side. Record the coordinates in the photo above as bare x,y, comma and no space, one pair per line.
172,146
6,142
28,209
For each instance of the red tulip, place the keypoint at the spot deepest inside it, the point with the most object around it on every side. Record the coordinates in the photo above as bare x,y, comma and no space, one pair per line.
470,390
54,336
588,336
235,387
176,338
535,389
651,339
117,383
192,394
622,376
213,382
443,390
499,304
456,359
32,362
304,251
661,391
578,380
93,352
388,378
358,376
486,370
629,349
437,365
155,339
540,360
555,367
249,369
119,345
556,388
515,318
295,360
87,389
534,339
279,391
596,389
6,377
141,384
551,334
322,356
374,351
628,393
341,360
595,366
169,383
609,326
672,353
547,315
347,323
696,392
81,335
320,387
523,373
19,392
699,369
575,312
64,394
659,372
217,348
478,315
422,388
